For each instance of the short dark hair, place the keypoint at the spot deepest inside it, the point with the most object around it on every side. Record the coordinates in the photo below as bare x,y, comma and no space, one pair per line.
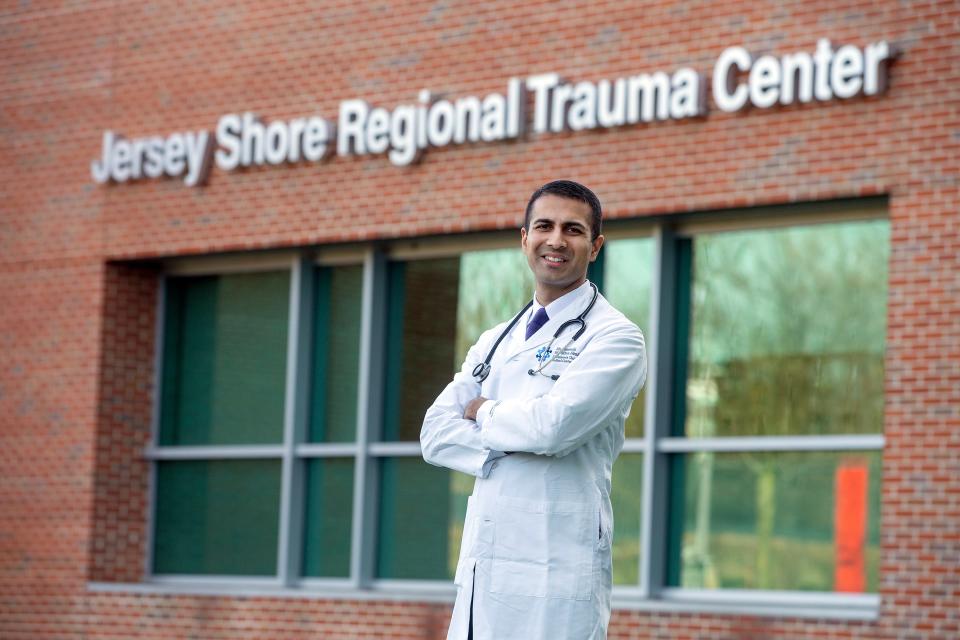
573,191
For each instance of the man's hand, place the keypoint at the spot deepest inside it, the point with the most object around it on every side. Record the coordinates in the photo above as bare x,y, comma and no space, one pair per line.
470,412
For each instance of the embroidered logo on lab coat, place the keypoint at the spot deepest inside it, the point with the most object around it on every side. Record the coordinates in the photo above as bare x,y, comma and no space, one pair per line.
543,354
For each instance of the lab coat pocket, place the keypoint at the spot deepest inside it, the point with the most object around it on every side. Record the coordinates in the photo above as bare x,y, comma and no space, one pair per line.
466,542
603,532
543,549
602,557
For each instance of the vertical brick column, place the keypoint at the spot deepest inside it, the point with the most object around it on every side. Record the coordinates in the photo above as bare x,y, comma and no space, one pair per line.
920,551
119,519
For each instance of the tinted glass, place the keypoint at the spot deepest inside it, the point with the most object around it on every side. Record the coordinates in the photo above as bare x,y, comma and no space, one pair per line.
336,354
626,496
421,334
494,286
224,362
437,309
628,273
794,521
329,515
217,517
788,329
422,509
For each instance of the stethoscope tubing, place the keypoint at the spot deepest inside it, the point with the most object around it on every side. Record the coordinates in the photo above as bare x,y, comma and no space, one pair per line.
482,370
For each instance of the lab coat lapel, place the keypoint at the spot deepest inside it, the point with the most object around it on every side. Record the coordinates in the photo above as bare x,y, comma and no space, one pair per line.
545,334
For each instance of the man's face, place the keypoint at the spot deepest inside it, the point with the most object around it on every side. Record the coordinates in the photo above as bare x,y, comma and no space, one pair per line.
558,245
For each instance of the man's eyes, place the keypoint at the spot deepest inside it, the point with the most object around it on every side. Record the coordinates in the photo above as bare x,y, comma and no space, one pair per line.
546,227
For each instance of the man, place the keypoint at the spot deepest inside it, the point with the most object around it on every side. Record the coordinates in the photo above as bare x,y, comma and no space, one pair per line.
540,429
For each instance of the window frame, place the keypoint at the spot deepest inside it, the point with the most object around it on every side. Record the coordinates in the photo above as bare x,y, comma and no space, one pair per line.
653,591
368,450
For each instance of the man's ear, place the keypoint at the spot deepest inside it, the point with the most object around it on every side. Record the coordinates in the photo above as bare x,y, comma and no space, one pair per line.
595,249
523,237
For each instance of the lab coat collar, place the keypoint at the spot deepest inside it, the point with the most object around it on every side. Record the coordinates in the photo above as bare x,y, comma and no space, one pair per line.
566,307
558,306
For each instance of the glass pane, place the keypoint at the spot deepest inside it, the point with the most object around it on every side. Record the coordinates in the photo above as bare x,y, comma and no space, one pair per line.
421,330
494,286
628,273
788,331
224,361
336,354
796,521
217,517
329,515
422,509
431,326
626,495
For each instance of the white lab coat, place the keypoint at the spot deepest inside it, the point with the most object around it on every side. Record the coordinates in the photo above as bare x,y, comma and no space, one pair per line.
535,557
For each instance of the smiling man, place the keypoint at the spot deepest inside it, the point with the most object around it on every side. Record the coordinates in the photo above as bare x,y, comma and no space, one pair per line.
536,413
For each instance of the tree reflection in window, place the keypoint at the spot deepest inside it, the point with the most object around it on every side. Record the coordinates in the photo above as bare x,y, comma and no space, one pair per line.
787,337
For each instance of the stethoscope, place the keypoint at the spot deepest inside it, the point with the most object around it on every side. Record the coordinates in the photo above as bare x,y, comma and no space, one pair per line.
482,370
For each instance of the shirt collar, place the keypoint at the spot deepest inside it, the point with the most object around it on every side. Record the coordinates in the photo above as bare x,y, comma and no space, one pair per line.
555,308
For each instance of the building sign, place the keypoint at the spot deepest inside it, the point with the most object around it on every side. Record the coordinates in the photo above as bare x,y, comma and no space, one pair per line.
738,81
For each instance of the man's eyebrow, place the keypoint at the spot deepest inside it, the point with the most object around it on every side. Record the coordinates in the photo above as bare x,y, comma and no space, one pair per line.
568,224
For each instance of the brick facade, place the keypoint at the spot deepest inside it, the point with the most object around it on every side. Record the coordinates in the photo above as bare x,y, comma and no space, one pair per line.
77,321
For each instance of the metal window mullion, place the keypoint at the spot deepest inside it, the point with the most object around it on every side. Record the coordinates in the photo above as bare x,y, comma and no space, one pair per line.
635,445
369,418
299,349
394,449
326,450
214,452
773,443
658,413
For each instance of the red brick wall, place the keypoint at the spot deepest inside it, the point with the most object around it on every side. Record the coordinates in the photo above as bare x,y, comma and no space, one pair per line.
69,72
118,549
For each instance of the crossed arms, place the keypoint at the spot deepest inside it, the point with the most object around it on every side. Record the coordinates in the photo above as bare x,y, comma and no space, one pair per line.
590,393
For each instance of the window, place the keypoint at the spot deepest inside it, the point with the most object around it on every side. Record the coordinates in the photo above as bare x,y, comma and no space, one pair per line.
225,344
332,420
785,340
292,399
627,273
437,309
228,443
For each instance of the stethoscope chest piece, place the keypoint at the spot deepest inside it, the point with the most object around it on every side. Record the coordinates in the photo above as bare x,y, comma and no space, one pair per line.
481,371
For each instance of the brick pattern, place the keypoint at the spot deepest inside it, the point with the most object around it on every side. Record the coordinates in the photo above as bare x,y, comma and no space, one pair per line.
75,329
118,540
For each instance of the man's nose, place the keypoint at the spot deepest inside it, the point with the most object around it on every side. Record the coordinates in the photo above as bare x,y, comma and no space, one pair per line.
556,239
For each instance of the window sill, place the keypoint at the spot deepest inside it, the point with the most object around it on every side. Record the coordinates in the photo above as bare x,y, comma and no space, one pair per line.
313,589
781,604
774,604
